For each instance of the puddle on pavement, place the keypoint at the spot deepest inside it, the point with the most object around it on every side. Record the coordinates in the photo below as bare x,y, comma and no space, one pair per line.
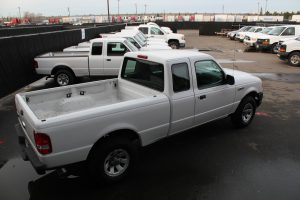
14,178
289,78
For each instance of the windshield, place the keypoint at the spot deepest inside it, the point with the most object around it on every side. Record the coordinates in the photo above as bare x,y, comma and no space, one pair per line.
252,29
143,72
276,31
139,40
243,28
266,30
135,43
130,45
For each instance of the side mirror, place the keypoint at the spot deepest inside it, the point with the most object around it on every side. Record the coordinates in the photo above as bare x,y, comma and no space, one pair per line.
230,80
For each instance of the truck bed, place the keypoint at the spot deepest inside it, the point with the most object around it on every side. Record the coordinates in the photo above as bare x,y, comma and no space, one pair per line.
59,101
64,54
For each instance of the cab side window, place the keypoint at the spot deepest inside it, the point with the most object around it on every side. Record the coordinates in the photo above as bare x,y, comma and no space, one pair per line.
289,31
97,48
116,49
181,77
155,31
144,30
208,74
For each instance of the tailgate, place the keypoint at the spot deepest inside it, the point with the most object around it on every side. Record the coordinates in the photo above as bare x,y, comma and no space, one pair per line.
26,118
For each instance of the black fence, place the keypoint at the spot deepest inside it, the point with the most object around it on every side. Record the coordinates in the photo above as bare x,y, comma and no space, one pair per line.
7,32
209,28
17,53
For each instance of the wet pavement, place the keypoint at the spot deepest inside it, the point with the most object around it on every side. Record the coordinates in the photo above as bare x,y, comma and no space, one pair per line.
213,162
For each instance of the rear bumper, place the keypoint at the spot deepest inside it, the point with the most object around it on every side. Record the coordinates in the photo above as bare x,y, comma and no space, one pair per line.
27,153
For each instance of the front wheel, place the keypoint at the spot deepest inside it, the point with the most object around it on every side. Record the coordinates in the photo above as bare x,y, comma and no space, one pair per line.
112,160
174,45
294,59
245,113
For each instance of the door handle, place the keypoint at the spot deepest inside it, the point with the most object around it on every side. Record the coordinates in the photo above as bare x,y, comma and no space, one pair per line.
202,97
108,59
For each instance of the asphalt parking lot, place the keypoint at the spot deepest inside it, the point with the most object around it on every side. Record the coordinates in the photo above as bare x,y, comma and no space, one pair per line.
214,161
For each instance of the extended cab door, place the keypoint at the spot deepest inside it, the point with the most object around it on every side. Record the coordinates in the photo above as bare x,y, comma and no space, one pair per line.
181,95
213,96
114,56
96,59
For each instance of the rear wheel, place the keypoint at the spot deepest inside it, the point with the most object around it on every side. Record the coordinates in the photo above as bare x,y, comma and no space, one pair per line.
64,77
244,113
294,59
112,160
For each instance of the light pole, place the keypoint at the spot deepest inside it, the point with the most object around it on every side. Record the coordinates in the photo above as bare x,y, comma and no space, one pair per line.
68,11
108,15
19,8
266,6
135,8
118,7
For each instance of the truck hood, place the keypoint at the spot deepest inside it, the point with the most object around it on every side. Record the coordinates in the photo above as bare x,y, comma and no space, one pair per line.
292,42
175,36
155,47
241,77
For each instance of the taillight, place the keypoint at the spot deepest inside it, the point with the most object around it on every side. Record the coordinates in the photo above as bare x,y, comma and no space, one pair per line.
282,48
43,143
35,64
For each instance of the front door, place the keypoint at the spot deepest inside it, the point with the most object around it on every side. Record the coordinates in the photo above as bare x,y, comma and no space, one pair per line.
114,57
213,96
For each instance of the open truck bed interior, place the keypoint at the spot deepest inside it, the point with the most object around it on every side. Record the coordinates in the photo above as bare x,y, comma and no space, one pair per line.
75,98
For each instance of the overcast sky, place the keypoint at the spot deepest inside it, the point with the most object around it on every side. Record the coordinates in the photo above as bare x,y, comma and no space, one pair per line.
85,7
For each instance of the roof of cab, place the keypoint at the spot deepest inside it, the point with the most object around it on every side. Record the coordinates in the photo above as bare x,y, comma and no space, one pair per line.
118,39
167,55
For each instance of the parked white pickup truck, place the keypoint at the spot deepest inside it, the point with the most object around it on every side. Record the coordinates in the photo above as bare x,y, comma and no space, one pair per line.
103,59
157,94
290,50
251,38
174,40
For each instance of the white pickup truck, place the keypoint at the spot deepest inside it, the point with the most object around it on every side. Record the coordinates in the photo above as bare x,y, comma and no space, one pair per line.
174,40
157,94
290,50
104,58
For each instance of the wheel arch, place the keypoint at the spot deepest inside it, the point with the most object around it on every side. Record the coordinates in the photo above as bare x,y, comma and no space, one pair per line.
125,132
295,51
59,67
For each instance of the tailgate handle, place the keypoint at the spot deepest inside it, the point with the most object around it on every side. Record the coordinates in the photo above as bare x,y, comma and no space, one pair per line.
108,59
23,124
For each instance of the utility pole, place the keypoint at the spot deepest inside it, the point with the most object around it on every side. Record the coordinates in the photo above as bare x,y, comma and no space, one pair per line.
266,6
258,7
68,11
135,8
223,8
118,7
19,8
108,15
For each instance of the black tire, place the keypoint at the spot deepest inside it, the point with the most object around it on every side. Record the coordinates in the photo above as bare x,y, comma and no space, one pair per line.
64,77
245,113
174,44
294,59
274,48
100,158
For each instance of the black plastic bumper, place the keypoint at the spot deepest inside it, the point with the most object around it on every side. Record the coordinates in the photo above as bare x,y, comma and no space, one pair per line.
283,55
28,153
